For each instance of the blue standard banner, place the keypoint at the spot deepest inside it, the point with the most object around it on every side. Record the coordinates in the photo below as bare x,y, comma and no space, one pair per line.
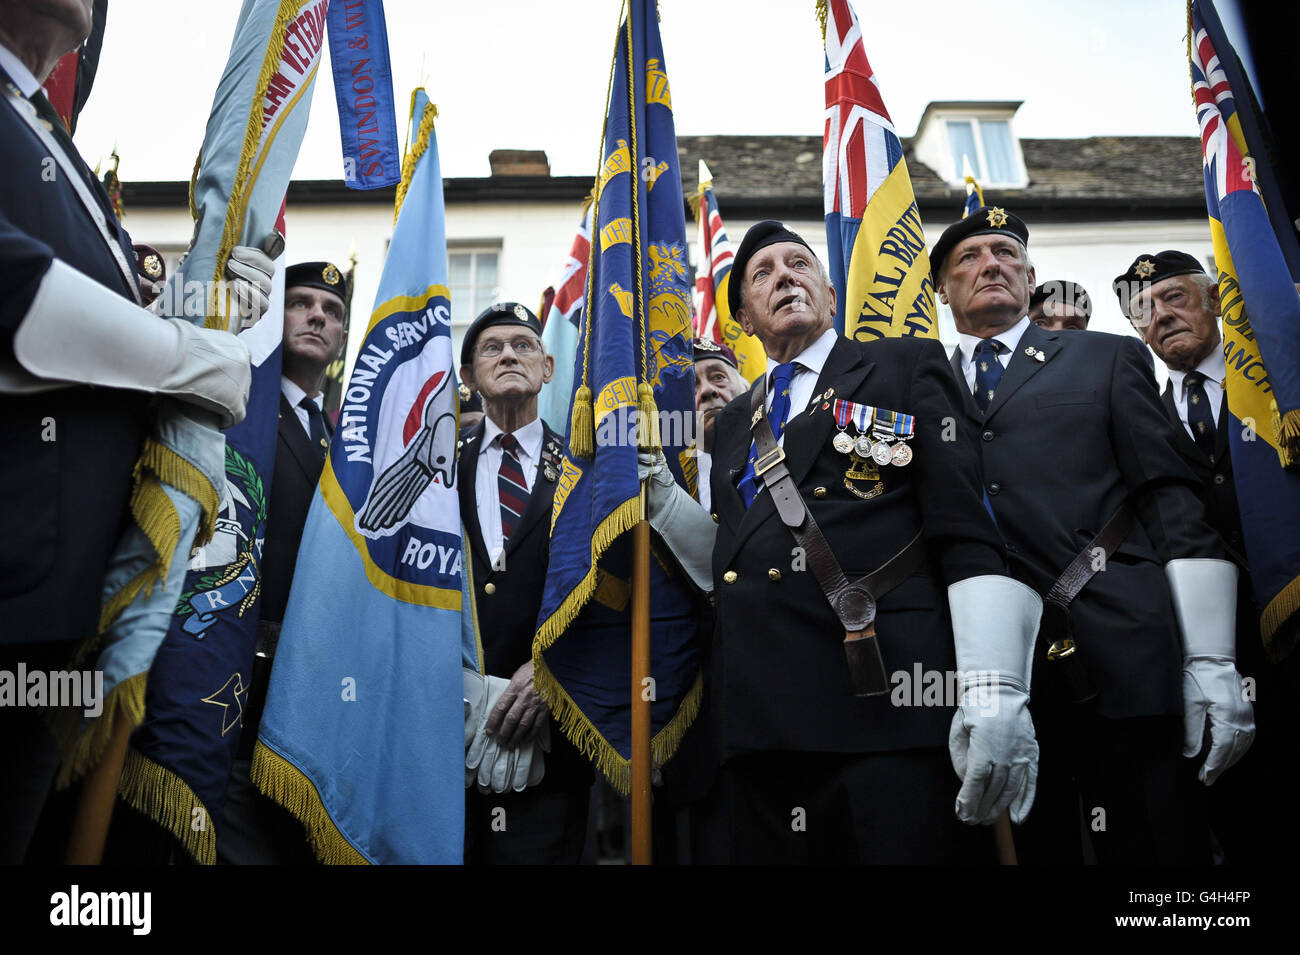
363,89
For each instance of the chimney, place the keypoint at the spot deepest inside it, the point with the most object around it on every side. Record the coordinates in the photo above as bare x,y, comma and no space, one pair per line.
519,162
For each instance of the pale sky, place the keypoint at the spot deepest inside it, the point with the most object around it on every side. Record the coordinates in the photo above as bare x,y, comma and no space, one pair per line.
529,74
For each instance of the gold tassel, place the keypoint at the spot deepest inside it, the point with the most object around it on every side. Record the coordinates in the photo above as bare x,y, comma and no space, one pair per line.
164,797
582,431
418,148
81,755
283,782
1287,429
1280,640
821,18
648,432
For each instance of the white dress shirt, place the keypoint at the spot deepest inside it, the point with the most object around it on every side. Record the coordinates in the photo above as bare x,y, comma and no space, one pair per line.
1215,370
20,74
485,477
704,467
1010,338
809,368
293,394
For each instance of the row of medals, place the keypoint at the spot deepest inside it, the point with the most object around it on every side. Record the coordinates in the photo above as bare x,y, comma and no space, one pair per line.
877,449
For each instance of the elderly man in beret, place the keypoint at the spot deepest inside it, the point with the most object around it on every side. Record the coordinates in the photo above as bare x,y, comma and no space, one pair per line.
1174,306
717,382
852,556
509,464
1101,516
1060,305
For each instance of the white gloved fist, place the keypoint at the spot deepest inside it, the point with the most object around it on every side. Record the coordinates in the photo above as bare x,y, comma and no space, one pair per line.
481,751
991,742
248,275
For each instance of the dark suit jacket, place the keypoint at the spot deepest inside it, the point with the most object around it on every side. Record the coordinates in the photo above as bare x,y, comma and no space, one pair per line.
68,453
1064,443
298,468
508,599
779,673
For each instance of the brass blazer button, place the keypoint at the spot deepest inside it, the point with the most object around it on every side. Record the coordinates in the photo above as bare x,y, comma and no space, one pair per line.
730,577
819,492
489,588
774,574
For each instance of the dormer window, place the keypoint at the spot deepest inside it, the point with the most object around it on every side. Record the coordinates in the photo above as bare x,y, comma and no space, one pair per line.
980,133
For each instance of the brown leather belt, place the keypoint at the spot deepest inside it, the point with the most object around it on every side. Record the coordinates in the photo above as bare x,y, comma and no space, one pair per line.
1056,627
854,602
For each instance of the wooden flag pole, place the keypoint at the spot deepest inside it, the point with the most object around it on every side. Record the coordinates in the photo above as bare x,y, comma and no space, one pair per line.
641,688
98,796
1005,842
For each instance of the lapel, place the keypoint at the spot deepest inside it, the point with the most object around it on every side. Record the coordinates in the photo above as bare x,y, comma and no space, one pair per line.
1186,446
807,433
1021,367
466,478
967,399
543,493
298,442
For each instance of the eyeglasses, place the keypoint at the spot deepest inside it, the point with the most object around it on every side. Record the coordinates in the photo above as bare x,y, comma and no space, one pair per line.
523,347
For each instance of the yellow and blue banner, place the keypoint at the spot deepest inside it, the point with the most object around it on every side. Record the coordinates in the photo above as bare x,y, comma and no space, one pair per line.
363,92
974,194
714,256
1261,340
362,737
634,383
875,243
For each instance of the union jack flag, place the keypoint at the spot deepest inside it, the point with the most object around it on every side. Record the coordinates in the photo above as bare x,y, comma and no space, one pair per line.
862,163
715,263
560,327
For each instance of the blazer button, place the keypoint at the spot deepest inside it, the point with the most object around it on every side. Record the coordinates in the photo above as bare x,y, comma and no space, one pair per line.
995,488
774,574
818,492
715,518
730,577
1218,479
987,436
489,588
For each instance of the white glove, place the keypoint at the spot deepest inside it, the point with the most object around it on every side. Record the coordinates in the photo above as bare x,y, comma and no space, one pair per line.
678,518
530,767
77,330
991,742
1205,602
249,272
481,751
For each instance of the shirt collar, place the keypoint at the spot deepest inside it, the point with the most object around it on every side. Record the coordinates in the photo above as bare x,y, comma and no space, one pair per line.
1010,338
529,436
20,74
292,393
1212,366
814,356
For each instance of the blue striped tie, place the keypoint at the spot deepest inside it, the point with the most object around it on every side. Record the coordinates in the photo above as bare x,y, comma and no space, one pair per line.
512,489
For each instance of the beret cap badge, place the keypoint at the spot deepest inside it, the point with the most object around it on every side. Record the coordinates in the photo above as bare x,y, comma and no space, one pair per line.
521,313
1145,268
331,275
997,217
153,267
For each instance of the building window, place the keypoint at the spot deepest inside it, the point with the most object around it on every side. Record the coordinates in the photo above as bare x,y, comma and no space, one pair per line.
473,277
987,145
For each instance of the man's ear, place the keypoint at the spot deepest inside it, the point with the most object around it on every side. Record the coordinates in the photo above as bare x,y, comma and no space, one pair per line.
548,368
1033,283
1213,300
942,291
742,317
467,378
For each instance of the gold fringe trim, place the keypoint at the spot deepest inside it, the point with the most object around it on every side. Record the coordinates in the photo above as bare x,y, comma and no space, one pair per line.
648,412
1286,427
694,200
157,518
582,430
280,780
821,18
80,755
1279,641
413,154
237,202
164,797
592,743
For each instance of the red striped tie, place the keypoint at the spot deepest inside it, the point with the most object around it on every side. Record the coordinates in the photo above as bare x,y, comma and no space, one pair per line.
512,490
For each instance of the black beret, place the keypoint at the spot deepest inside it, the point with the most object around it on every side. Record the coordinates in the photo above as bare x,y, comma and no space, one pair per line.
319,275
1148,269
499,313
1063,292
986,220
760,236
707,348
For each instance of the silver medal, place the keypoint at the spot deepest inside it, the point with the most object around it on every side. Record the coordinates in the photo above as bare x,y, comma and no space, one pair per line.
842,442
882,453
863,446
902,454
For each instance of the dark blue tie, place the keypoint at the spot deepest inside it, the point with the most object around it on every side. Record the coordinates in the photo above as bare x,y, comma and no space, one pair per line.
316,425
988,371
776,416
1199,414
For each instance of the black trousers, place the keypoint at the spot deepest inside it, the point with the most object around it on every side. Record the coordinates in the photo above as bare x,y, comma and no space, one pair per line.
1117,791
534,827
837,809
255,830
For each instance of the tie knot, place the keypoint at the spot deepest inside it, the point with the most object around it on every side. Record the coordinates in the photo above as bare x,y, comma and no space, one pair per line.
1193,379
782,374
989,346
309,404
508,442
